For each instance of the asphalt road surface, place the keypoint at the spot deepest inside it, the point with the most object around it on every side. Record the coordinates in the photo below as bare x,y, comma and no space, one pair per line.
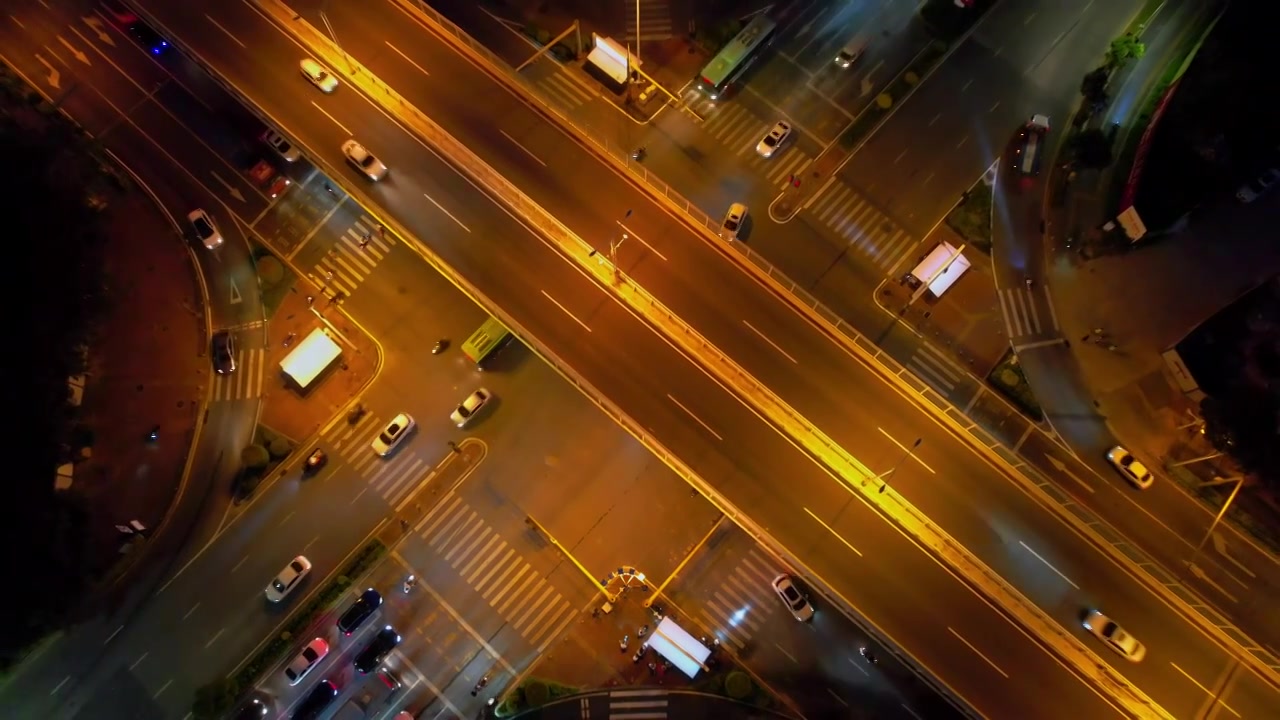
524,150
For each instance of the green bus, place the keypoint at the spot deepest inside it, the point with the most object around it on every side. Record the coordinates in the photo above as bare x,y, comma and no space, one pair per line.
486,342
735,57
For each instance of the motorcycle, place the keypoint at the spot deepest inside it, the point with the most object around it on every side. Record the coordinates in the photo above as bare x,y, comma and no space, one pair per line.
409,582
871,658
637,154
356,413
441,345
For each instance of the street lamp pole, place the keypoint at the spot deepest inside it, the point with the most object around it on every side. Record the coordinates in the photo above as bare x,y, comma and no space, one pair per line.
908,452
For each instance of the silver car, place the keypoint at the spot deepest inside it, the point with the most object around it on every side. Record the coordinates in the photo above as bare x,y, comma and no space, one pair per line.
364,161
467,411
318,75
791,596
771,142
393,434
306,661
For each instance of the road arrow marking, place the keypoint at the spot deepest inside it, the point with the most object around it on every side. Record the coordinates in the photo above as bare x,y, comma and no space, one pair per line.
76,53
54,76
96,25
234,191
1204,578
867,83
1062,468
235,292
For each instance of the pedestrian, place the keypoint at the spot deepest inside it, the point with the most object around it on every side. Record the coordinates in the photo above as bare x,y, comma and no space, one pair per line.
311,299
364,242
328,188
382,231
622,644
453,446
653,668
404,524
643,629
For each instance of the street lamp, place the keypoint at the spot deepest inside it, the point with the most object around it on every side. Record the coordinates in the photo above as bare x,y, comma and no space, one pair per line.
906,454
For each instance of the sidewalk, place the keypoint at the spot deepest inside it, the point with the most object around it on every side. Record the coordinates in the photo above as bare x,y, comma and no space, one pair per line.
1129,385
146,368
299,414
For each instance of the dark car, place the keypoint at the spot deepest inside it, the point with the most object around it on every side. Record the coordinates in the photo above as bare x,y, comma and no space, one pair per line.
254,709
148,38
384,642
369,601
316,701
223,352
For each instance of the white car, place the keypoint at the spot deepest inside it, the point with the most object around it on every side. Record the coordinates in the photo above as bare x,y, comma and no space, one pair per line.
1114,636
364,161
311,655
318,75
771,142
393,434
205,229
470,407
1130,467
281,145
733,220
1256,187
288,579
791,596
850,53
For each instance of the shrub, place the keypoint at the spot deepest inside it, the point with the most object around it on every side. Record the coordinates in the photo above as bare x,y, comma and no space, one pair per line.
254,457
279,447
737,685
536,693
270,271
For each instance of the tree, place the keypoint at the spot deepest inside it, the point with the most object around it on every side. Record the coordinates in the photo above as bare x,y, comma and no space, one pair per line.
1242,423
1123,48
1092,149
1094,86
55,242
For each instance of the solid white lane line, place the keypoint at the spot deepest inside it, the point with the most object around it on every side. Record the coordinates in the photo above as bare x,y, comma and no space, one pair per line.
526,150
771,343
566,311
446,212
910,451
833,532
632,233
1206,690
695,417
226,31
1048,564
214,639
334,119
406,58
979,654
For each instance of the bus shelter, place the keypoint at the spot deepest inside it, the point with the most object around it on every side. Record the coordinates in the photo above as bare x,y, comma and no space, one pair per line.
311,357
679,647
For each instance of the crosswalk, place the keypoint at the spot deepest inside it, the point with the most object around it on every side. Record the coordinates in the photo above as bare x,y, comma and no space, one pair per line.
524,599
935,369
861,224
391,477
741,130
655,19
744,599
353,257
563,91
650,704
1021,316
246,381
